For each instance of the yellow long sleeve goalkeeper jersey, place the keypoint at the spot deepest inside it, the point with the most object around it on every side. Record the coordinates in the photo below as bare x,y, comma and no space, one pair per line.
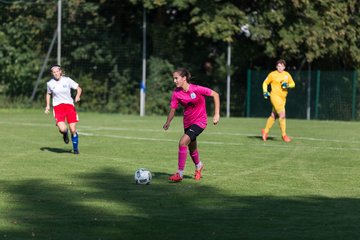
275,79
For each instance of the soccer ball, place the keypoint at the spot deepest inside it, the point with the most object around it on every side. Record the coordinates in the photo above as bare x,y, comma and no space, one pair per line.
142,176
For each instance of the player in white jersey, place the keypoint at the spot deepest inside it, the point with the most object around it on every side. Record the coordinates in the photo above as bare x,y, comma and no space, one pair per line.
59,88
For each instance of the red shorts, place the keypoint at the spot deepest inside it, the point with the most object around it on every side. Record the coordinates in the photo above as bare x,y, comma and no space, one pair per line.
64,112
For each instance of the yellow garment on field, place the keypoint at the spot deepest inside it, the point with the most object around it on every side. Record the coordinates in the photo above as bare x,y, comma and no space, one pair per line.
275,79
278,103
269,123
282,122
278,94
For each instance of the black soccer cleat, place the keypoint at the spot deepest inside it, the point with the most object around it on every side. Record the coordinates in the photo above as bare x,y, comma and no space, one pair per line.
66,137
76,152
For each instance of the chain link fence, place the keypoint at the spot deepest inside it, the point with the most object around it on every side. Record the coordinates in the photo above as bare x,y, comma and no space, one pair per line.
323,95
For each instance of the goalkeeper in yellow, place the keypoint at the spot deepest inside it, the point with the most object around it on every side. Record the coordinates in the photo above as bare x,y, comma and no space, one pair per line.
279,80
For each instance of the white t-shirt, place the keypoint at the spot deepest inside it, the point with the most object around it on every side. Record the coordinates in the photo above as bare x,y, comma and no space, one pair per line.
61,90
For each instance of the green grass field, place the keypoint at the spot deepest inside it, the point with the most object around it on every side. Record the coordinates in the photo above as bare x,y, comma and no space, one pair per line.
306,189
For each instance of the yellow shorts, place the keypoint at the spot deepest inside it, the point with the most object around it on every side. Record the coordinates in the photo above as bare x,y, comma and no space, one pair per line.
278,103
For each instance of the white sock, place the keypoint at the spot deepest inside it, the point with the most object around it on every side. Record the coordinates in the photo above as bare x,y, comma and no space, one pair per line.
199,165
180,172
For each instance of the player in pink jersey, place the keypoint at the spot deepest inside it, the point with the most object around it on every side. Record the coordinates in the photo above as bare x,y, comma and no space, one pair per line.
192,98
59,88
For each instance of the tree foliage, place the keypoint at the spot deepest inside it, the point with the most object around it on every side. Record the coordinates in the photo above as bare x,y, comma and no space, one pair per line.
102,42
22,26
311,29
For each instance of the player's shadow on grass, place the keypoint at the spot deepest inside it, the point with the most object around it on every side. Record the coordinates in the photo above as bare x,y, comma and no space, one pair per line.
167,175
106,204
55,150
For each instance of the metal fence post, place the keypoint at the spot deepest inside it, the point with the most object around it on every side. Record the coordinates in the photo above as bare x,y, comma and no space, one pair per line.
143,78
228,80
248,93
317,94
308,107
59,32
354,86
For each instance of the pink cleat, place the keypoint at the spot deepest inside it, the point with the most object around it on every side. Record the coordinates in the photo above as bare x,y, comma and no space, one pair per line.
197,174
175,178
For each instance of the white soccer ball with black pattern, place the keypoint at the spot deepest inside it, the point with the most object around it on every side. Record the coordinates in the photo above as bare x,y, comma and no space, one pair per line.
142,176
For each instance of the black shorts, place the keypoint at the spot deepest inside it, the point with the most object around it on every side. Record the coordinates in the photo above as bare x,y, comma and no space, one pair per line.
193,131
